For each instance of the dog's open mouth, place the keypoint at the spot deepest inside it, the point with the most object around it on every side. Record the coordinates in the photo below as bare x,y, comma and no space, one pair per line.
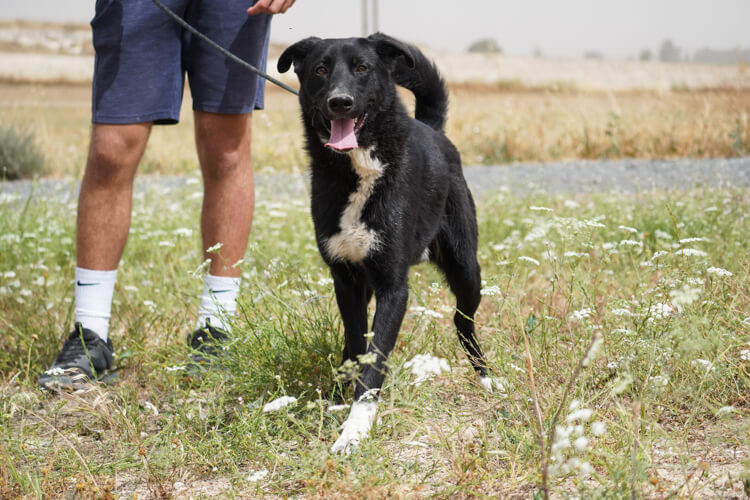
344,133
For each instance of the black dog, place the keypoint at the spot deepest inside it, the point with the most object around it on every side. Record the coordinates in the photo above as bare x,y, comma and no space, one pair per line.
387,192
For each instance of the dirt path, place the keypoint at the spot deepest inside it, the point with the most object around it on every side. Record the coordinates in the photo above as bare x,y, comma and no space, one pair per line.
627,176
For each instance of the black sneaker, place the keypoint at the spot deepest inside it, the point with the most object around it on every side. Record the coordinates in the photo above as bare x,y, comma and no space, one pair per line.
207,344
84,358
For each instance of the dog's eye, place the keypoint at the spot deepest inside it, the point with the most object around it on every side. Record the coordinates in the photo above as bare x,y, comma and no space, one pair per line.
361,68
321,70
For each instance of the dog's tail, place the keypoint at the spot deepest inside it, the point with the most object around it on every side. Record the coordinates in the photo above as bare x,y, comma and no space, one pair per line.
428,86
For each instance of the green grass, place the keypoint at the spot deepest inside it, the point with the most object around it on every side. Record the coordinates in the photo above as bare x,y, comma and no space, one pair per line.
611,265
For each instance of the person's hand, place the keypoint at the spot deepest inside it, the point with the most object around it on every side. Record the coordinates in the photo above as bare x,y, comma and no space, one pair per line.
270,7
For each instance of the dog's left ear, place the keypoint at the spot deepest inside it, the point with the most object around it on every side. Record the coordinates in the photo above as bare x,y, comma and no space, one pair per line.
391,48
296,53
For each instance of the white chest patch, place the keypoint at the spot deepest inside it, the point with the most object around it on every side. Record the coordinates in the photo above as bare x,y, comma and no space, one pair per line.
354,241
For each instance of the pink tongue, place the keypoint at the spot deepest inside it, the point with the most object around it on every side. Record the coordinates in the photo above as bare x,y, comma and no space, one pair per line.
342,135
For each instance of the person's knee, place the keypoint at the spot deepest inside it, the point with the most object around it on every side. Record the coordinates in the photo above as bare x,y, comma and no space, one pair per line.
115,152
223,143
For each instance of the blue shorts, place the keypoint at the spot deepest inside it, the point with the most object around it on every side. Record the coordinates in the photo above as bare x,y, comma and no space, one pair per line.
142,57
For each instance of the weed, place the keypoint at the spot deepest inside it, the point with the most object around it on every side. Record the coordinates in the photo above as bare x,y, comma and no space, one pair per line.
20,157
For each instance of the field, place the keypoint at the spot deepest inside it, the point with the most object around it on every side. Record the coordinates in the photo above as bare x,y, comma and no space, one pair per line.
616,326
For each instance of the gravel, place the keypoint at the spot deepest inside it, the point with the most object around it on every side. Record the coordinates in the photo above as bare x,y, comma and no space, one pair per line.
621,176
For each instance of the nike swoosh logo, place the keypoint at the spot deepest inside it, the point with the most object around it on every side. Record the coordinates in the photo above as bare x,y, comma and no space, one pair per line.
86,284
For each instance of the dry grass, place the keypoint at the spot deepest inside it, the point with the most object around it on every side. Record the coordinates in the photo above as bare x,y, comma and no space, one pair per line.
489,125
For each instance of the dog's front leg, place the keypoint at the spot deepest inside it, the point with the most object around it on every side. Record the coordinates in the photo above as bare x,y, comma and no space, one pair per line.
389,313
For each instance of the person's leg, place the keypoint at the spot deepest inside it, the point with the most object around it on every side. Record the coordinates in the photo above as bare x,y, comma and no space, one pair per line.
223,144
105,200
104,205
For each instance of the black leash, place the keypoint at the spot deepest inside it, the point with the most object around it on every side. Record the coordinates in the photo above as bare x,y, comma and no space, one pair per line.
221,49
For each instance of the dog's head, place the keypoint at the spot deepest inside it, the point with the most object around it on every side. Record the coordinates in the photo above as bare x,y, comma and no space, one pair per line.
344,83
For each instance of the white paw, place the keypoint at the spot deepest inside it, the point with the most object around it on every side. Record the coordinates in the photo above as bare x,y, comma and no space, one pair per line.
356,427
486,382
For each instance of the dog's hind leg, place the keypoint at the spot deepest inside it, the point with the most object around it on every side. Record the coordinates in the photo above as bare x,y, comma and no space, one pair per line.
455,252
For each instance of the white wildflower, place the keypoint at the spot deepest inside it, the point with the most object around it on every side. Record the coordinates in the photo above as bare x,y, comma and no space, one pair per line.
598,428
367,359
691,252
334,408
703,363
571,204
659,311
491,290
201,268
594,223
559,445
574,254
150,406
215,248
257,476
581,314
175,368
659,254
659,381
628,229
539,209
745,355
585,469
662,235
684,296
622,312
721,273
166,244
724,410
692,240
425,366
529,259
9,274
279,403
580,443
183,231
631,243
596,346
582,414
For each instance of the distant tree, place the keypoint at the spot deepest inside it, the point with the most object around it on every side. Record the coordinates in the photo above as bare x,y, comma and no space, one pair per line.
646,55
538,53
593,54
669,52
486,45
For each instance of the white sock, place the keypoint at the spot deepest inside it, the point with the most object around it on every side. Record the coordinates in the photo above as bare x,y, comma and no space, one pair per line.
93,292
218,302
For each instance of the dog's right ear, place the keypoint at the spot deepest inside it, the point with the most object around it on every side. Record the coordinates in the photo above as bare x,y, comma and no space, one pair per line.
296,53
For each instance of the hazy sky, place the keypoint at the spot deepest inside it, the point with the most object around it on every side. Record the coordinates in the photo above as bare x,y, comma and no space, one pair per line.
560,28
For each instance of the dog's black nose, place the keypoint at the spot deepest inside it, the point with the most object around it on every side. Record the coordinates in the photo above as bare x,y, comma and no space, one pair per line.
340,103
